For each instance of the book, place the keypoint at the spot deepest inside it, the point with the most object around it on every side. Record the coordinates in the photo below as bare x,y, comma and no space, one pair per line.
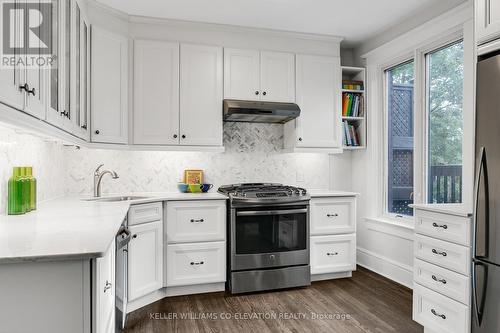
352,104
352,85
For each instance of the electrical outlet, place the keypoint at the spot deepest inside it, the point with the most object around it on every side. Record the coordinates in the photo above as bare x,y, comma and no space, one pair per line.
299,176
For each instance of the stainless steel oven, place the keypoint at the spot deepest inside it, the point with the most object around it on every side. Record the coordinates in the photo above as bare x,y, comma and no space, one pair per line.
268,240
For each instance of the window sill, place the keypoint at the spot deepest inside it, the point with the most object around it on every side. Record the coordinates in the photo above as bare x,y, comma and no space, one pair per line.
391,227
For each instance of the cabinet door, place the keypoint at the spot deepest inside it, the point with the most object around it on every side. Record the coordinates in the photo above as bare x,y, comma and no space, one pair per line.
104,292
277,76
156,92
201,95
84,79
109,87
241,74
487,20
333,254
318,96
54,75
145,259
11,78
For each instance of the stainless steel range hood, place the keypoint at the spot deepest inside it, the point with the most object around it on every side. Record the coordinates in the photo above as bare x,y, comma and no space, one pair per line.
259,112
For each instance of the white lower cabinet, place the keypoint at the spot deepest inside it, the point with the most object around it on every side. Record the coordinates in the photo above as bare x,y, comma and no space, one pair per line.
333,215
333,237
195,242
439,313
104,292
189,221
333,254
145,259
197,263
441,273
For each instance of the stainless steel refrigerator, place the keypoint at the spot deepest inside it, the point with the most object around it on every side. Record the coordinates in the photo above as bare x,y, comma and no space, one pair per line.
486,228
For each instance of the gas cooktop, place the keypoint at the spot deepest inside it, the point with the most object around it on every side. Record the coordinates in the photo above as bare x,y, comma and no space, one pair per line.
264,192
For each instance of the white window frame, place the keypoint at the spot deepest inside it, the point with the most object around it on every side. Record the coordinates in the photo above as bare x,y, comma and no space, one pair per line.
399,61
424,142
420,114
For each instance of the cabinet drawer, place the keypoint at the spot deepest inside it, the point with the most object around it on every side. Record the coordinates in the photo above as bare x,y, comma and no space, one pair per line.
444,254
332,216
442,280
332,254
439,313
196,221
198,263
145,213
442,226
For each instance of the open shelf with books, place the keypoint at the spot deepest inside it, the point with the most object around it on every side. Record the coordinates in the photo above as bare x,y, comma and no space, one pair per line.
353,108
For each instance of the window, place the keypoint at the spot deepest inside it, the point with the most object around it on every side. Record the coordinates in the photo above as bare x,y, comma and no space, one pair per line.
400,149
444,86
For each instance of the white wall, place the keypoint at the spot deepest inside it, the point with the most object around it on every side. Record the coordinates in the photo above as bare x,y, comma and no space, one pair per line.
385,245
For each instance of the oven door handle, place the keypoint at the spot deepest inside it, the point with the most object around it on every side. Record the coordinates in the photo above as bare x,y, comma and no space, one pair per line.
271,212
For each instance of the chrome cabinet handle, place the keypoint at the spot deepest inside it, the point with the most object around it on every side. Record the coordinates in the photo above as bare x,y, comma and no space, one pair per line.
256,92
107,286
434,312
196,263
332,254
435,225
332,215
264,93
197,220
444,254
443,281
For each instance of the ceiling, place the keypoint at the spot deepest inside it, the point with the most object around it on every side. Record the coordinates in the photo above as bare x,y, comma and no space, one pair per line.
355,20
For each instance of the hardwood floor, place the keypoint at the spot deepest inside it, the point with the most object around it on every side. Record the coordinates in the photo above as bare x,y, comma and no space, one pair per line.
367,303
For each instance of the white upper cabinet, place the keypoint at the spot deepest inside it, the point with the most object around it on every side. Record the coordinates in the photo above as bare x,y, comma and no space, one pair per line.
156,92
109,87
487,20
12,78
318,96
201,91
255,75
241,74
277,76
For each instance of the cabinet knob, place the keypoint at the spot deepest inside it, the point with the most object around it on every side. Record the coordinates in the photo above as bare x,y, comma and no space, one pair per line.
32,91
300,139
256,92
24,87
97,132
183,136
175,136
84,127
264,93
134,236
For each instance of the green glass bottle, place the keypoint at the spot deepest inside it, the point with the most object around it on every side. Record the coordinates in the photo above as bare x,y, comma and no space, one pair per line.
15,195
32,182
25,188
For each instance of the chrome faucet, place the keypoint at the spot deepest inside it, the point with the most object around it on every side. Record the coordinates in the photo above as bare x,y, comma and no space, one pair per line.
98,178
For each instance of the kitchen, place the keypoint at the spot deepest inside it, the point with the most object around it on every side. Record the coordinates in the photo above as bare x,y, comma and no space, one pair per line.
345,184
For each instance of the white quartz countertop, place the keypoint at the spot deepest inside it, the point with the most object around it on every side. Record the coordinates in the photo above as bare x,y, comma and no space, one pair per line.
316,193
77,228
452,209
72,228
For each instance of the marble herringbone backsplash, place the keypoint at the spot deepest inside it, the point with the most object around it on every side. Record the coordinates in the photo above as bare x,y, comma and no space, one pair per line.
253,154
18,148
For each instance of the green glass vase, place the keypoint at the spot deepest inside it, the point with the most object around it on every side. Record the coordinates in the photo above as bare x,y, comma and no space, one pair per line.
16,204
25,189
32,186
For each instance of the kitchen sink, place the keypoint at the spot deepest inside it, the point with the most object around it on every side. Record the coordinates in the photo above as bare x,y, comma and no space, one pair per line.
120,198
